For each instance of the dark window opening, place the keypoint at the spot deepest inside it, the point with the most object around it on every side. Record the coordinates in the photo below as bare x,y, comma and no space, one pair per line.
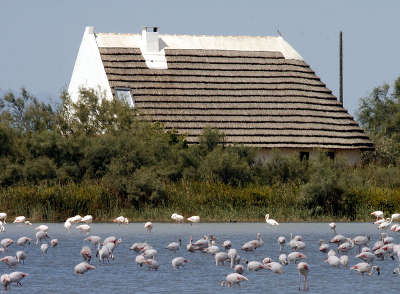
304,156
330,154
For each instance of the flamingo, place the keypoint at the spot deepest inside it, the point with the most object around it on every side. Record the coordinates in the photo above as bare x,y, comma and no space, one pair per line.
267,260
3,217
283,259
378,214
331,252
238,269
232,254
19,220
333,227
152,264
82,268
177,217
93,239
121,220
150,253
5,281
255,266
148,226
44,247
178,262
281,242
323,247
275,267
88,219
220,258
86,253
21,256
364,267
42,228
213,249
11,261
338,239
16,277
293,241
344,260
203,242
6,242
84,228
303,269
194,219
384,225
2,227
233,279
140,260
227,244
41,235
333,260
190,247
295,256
253,244
67,225
137,247
75,219
22,241
174,246
54,242
104,254
346,246
361,241
270,221
395,217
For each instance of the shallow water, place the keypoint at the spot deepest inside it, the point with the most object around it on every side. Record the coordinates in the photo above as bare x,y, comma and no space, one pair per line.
53,273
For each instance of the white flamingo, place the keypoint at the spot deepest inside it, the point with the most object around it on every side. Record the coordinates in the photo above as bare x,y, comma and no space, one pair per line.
303,269
16,277
42,228
378,214
3,217
275,267
177,217
364,267
19,219
270,221
178,262
148,226
83,267
333,227
84,228
87,219
67,225
233,279
194,219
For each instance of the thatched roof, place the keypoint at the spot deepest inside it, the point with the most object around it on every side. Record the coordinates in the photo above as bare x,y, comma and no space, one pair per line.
257,98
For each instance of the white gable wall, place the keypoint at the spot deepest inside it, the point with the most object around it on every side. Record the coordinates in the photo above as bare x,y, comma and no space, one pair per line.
89,70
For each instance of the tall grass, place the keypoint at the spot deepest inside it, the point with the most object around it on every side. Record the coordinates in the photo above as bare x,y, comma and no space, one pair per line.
214,202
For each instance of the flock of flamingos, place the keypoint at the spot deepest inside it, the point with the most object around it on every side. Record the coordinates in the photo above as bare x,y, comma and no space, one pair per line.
209,244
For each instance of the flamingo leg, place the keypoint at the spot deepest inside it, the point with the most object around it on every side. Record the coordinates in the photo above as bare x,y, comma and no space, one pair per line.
299,282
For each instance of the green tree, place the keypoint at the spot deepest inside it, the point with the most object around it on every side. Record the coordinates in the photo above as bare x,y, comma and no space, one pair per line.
379,115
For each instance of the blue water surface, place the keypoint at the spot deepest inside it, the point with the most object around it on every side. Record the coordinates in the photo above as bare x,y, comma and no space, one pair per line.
53,273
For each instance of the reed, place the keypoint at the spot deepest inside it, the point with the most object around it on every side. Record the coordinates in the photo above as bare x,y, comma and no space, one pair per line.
214,202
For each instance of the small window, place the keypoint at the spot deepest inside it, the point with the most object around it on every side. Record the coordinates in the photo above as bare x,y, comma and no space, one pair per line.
304,156
125,94
330,154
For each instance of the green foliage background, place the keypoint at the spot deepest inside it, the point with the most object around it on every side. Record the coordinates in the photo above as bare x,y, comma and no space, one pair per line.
98,157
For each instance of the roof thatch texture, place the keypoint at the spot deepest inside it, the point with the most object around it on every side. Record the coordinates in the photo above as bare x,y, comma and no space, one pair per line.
255,98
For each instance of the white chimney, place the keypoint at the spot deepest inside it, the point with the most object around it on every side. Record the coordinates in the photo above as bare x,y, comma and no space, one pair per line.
150,39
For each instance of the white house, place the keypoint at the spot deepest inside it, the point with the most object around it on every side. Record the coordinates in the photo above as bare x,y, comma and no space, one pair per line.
257,90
